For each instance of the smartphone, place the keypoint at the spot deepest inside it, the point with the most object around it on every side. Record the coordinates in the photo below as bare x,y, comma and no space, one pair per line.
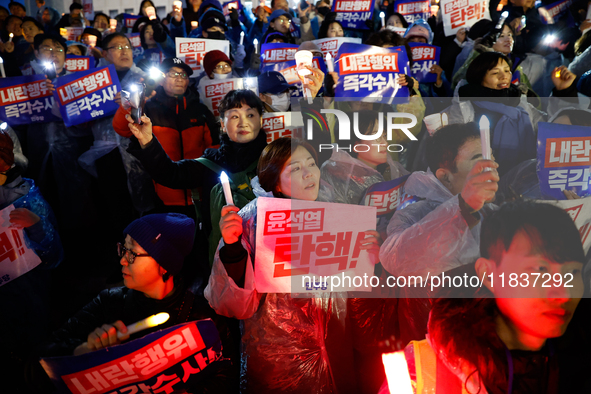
133,100
50,70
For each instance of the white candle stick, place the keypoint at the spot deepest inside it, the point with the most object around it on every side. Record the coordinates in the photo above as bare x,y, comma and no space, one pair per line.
444,119
2,68
255,42
397,374
148,322
329,63
485,138
241,38
10,37
226,186
383,18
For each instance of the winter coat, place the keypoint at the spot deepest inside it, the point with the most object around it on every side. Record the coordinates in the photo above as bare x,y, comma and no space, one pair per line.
289,345
184,127
581,64
539,68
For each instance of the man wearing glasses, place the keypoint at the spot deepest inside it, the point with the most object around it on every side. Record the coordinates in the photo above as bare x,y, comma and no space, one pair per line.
184,126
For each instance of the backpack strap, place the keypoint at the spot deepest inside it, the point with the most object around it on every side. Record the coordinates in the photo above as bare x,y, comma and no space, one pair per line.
211,165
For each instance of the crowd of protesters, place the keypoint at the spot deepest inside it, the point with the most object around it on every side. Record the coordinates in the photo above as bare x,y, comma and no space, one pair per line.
150,186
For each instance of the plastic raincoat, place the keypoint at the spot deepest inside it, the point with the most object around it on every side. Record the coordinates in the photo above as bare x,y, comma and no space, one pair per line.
290,345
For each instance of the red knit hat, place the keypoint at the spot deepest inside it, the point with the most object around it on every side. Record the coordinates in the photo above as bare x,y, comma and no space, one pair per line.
212,59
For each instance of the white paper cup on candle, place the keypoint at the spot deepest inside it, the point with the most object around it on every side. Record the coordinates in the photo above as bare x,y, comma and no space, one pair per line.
303,59
151,12
113,24
92,41
194,25
433,123
178,5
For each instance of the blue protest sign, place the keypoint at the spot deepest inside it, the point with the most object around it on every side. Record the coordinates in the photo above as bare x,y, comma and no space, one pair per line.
278,52
129,20
386,197
136,43
229,5
353,13
289,70
87,95
424,56
79,63
413,10
25,100
175,359
564,159
370,71
550,14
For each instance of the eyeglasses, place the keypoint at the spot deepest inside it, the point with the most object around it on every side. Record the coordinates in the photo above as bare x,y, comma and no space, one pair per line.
223,67
45,48
128,253
284,20
121,48
175,75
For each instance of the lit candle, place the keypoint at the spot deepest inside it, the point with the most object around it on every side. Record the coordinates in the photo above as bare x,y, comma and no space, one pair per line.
329,63
485,138
397,373
383,18
444,119
194,25
241,38
557,74
255,42
226,186
10,35
148,322
2,68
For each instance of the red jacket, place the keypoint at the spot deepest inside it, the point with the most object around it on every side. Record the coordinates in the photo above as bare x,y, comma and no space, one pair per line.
184,127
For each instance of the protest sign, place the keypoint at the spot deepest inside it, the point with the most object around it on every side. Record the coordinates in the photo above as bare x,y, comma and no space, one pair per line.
164,361
413,10
386,197
16,257
193,50
289,71
282,124
580,212
424,56
278,52
229,5
71,33
370,71
550,14
136,43
299,239
353,13
564,159
212,91
25,100
458,14
87,95
129,20
88,9
332,45
79,63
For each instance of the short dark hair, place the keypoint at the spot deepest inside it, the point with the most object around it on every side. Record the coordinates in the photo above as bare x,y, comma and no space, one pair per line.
39,38
482,64
550,229
367,120
328,20
9,18
107,40
76,6
400,16
235,99
443,146
273,159
30,19
99,14
388,37
16,3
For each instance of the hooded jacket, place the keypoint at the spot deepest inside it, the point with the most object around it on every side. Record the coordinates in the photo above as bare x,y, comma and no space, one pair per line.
184,127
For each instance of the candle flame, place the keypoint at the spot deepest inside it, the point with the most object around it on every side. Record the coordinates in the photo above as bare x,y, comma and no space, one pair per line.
557,74
224,177
1,60
156,320
255,42
382,15
397,373
484,122
505,14
11,35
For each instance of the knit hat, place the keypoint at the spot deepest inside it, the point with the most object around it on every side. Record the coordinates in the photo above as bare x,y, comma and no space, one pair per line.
167,237
212,59
6,148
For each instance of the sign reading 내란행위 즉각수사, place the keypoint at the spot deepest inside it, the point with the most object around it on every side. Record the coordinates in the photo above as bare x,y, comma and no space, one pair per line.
413,10
25,100
354,14
424,56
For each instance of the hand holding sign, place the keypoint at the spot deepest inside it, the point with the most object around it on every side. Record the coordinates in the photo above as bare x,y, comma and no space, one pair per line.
142,132
372,243
50,86
23,218
230,224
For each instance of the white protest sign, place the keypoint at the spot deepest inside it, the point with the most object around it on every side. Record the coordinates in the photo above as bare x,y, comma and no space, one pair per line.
458,14
282,124
332,45
301,243
16,258
193,50
212,91
580,211
71,33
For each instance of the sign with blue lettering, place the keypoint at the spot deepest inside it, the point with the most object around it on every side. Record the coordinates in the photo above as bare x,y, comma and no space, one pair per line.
353,13
25,100
87,95
424,56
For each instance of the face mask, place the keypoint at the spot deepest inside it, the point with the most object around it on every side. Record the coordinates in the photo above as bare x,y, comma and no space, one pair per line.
221,76
280,103
323,10
216,35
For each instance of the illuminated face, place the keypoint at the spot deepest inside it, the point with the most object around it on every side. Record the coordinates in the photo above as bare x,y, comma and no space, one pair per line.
505,41
145,274
335,30
281,24
50,51
30,31
149,36
539,311
121,58
222,68
242,124
100,23
74,50
394,20
300,177
377,153
175,86
499,77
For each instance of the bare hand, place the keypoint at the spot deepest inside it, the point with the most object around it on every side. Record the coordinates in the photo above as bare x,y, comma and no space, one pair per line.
9,47
562,78
402,81
570,195
176,14
481,185
118,98
436,69
50,86
461,35
142,132
23,218
230,224
106,336
305,12
585,25
372,243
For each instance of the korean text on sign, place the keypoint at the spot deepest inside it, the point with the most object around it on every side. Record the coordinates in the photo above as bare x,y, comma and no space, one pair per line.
332,45
353,13
79,63
282,124
25,100
193,50
295,239
459,14
212,91
272,53
413,10
564,159
424,57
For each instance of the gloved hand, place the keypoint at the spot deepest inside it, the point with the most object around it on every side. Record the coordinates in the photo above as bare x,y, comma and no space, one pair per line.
239,57
159,32
234,18
255,62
